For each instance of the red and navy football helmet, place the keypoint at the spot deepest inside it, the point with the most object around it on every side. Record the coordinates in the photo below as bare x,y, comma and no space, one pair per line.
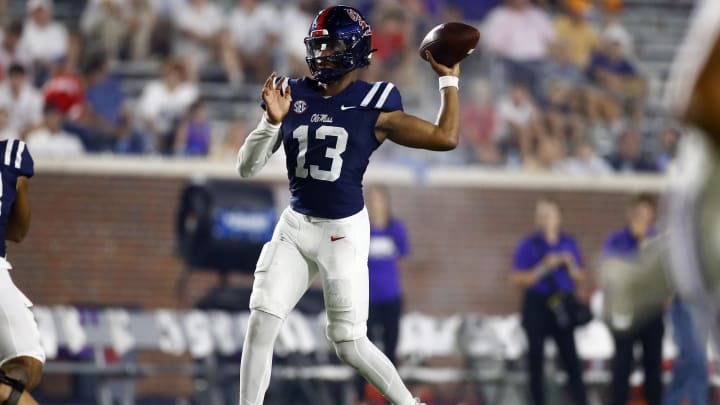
339,41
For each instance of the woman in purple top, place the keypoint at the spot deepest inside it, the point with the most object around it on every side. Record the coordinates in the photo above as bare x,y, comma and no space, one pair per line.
547,264
388,244
193,133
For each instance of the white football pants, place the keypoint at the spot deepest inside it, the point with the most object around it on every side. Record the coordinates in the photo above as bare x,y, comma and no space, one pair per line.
19,334
301,248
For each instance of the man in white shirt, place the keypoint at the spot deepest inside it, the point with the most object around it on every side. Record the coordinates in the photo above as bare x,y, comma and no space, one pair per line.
199,22
585,161
518,116
253,26
49,140
45,40
164,101
295,18
22,102
519,35
10,50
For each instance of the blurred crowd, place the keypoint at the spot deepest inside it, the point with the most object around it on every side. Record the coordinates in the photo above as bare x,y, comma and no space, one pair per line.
558,87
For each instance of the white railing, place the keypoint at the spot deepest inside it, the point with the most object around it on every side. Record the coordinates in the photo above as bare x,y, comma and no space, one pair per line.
471,176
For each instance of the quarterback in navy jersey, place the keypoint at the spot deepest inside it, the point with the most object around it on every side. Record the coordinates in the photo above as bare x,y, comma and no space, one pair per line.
329,125
21,354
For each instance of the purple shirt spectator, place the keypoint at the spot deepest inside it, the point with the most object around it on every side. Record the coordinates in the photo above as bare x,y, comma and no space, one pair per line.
107,99
622,243
386,247
531,250
198,138
621,67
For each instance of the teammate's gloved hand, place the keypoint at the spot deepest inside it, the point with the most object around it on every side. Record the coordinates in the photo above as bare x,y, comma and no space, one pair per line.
441,69
277,105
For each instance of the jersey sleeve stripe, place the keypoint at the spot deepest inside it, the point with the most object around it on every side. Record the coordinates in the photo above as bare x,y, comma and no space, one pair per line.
384,95
370,94
8,151
18,155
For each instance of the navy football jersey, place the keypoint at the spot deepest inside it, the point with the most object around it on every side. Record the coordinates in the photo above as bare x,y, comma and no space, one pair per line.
15,161
328,142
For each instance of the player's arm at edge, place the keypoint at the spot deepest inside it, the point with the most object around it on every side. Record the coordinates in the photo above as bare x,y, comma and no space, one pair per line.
408,130
259,145
265,139
20,213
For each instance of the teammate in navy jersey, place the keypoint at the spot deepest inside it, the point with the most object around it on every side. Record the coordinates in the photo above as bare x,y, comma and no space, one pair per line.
21,355
329,125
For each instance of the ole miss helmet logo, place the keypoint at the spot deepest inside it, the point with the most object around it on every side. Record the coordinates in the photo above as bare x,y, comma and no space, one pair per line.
300,106
355,16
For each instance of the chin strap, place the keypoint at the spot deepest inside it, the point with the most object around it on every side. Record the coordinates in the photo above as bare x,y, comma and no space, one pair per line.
16,388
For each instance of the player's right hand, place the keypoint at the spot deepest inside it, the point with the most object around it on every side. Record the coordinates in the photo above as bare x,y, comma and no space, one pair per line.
277,105
441,69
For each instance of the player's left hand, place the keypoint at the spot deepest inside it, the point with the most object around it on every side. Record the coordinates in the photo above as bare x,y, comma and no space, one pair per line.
277,105
441,69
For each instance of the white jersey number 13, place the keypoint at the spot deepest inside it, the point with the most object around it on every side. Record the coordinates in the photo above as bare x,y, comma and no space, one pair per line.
301,134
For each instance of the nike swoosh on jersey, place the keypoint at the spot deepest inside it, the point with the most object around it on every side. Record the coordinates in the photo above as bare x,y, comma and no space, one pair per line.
343,107
336,238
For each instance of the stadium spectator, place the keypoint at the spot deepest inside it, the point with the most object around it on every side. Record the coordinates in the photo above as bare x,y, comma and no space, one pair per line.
104,21
21,101
394,59
65,90
163,102
43,39
690,380
547,266
560,114
388,245
233,138
199,23
668,148
473,11
560,67
119,26
10,50
548,157
629,157
611,25
585,161
50,140
518,122
479,123
296,17
106,121
625,244
519,35
193,133
617,77
575,32
254,29
5,131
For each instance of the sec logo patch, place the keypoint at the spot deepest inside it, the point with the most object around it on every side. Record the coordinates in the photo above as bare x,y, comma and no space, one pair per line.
300,106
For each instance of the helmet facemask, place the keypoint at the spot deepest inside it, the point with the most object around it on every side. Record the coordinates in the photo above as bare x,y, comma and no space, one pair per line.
331,58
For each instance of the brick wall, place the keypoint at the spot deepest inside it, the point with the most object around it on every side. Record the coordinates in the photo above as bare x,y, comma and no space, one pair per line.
111,240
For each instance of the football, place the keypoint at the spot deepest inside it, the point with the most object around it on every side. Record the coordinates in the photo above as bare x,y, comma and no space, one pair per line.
450,43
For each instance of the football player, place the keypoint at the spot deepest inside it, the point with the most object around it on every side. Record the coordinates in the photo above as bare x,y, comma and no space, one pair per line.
689,250
329,125
21,355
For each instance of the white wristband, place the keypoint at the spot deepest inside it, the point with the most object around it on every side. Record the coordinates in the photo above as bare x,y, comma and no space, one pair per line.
448,81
